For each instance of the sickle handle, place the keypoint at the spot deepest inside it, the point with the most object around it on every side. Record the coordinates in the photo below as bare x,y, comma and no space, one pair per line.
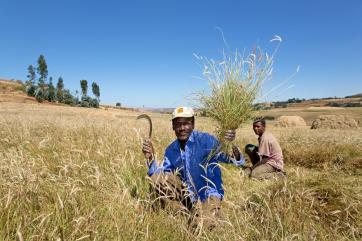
148,118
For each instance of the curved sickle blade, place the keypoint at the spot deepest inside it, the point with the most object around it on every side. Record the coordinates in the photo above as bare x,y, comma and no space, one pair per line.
147,117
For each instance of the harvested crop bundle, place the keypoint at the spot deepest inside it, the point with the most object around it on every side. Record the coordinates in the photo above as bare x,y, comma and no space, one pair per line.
334,122
290,121
235,83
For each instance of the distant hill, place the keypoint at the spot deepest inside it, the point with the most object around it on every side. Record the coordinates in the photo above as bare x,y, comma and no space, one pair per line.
11,86
354,96
340,102
14,91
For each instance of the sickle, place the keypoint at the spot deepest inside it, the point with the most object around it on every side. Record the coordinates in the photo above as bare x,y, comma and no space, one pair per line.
147,117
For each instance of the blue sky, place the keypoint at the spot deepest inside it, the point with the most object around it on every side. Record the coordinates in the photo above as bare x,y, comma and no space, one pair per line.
141,52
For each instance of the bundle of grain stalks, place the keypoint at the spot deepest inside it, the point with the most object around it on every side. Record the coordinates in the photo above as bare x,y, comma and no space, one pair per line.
235,83
290,121
334,122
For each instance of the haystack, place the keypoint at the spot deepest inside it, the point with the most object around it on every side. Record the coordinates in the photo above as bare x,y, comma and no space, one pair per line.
334,122
291,121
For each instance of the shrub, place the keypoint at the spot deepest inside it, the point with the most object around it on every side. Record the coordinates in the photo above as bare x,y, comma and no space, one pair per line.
39,95
68,98
30,90
334,104
94,103
350,104
86,101
280,104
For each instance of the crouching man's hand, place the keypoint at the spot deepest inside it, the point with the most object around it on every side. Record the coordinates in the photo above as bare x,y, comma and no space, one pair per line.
236,153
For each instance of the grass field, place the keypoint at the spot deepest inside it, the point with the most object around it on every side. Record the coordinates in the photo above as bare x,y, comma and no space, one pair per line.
71,173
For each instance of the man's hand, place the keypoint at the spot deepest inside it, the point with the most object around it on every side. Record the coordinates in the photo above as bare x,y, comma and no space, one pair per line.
230,135
236,153
147,149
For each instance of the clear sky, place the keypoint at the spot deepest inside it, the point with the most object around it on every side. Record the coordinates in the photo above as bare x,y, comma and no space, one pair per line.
141,52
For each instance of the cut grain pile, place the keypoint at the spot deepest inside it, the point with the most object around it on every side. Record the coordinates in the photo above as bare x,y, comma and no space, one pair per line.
290,121
334,122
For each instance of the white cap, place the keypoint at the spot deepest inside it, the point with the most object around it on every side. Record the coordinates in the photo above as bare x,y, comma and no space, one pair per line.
183,112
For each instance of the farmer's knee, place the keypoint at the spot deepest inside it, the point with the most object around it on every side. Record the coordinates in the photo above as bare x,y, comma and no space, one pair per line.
263,171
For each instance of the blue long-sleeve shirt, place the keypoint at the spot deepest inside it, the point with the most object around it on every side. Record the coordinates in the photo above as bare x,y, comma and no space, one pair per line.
201,174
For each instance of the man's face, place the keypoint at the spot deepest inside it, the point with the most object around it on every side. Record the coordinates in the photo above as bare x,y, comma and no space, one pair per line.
258,128
183,127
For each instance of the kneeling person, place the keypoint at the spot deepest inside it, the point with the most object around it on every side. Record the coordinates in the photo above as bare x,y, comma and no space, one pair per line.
189,173
267,158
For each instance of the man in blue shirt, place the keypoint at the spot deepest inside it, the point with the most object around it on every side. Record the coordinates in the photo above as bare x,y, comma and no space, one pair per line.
190,169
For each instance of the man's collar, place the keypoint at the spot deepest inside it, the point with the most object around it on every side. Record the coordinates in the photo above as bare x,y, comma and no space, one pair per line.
192,137
259,137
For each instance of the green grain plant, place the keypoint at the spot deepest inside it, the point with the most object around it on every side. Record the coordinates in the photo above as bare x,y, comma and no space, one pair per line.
235,82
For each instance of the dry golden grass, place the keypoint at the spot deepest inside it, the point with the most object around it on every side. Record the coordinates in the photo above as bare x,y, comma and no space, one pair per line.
11,91
71,173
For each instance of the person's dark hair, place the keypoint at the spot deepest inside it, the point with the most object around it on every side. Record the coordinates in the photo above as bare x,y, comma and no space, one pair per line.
259,119
192,120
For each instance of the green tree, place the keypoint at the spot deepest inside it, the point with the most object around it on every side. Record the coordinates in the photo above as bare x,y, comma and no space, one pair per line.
39,94
29,84
51,91
31,75
95,90
60,86
76,97
42,71
84,87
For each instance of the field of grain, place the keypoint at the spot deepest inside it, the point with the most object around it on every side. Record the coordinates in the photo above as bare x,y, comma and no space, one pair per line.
310,113
70,173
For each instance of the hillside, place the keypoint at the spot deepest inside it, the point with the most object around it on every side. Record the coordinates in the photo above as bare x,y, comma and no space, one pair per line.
334,102
355,96
13,91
